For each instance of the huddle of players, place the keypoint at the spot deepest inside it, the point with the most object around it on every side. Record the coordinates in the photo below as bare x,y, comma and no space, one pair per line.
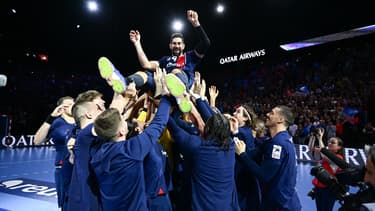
168,144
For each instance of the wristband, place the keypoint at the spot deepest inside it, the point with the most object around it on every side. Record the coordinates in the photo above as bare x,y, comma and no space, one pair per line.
50,119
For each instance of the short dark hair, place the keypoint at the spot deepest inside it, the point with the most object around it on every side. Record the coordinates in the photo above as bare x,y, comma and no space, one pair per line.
107,124
131,129
287,113
217,129
177,35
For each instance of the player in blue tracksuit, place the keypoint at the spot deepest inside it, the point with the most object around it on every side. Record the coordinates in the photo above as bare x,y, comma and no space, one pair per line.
247,185
118,162
156,176
59,131
277,169
204,108
67,168
58,126
211,161
83,192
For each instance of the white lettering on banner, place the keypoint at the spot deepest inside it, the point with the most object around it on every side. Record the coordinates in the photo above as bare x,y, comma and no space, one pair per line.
363,155
351,157
303,150
22,141
243,56
5,138
31,138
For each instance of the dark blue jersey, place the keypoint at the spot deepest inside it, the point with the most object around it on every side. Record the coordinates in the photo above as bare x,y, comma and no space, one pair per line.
83,194
212,170
154,168
247,185
277,172
157,178
59,131
118,166
185,62
204,109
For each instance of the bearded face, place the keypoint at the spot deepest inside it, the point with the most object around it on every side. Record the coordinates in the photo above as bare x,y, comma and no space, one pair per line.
177,46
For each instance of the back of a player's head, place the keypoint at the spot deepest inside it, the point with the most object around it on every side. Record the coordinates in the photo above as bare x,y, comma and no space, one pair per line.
87,96
82,103
79,110
107,124
217,129
177,35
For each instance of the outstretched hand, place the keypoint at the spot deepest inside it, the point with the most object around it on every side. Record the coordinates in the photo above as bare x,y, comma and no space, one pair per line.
197,84
134,36
213,91
160,85
192,16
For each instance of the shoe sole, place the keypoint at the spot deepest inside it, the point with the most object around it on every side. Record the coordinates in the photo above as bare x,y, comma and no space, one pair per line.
174,84
106,67
118,86
107,71
185,105
177,89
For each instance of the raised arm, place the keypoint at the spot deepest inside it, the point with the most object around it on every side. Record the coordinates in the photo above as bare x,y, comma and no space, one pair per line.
187,142
204,41
266,171
139,146
41,135
214,92
135,38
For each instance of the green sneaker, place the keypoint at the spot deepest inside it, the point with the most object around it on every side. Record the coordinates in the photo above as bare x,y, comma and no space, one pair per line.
113,77
178,90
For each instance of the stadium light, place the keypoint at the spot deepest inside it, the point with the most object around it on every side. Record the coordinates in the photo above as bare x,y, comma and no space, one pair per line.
92,6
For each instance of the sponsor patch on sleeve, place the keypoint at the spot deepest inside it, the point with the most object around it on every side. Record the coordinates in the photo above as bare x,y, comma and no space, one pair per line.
276,152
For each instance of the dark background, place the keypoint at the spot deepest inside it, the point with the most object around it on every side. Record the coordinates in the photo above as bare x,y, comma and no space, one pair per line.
49,27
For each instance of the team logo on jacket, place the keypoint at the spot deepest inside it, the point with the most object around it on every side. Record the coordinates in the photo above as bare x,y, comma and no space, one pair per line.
276,152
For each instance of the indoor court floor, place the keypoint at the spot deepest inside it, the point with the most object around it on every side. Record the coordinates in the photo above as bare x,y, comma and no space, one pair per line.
27,180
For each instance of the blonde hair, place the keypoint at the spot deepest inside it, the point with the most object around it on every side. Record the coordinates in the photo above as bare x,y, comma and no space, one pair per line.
259,128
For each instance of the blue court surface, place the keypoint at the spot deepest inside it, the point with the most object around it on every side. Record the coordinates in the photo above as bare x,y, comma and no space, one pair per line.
27,180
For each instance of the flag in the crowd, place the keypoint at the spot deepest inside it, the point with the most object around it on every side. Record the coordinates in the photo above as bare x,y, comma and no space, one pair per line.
348,111
303,89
